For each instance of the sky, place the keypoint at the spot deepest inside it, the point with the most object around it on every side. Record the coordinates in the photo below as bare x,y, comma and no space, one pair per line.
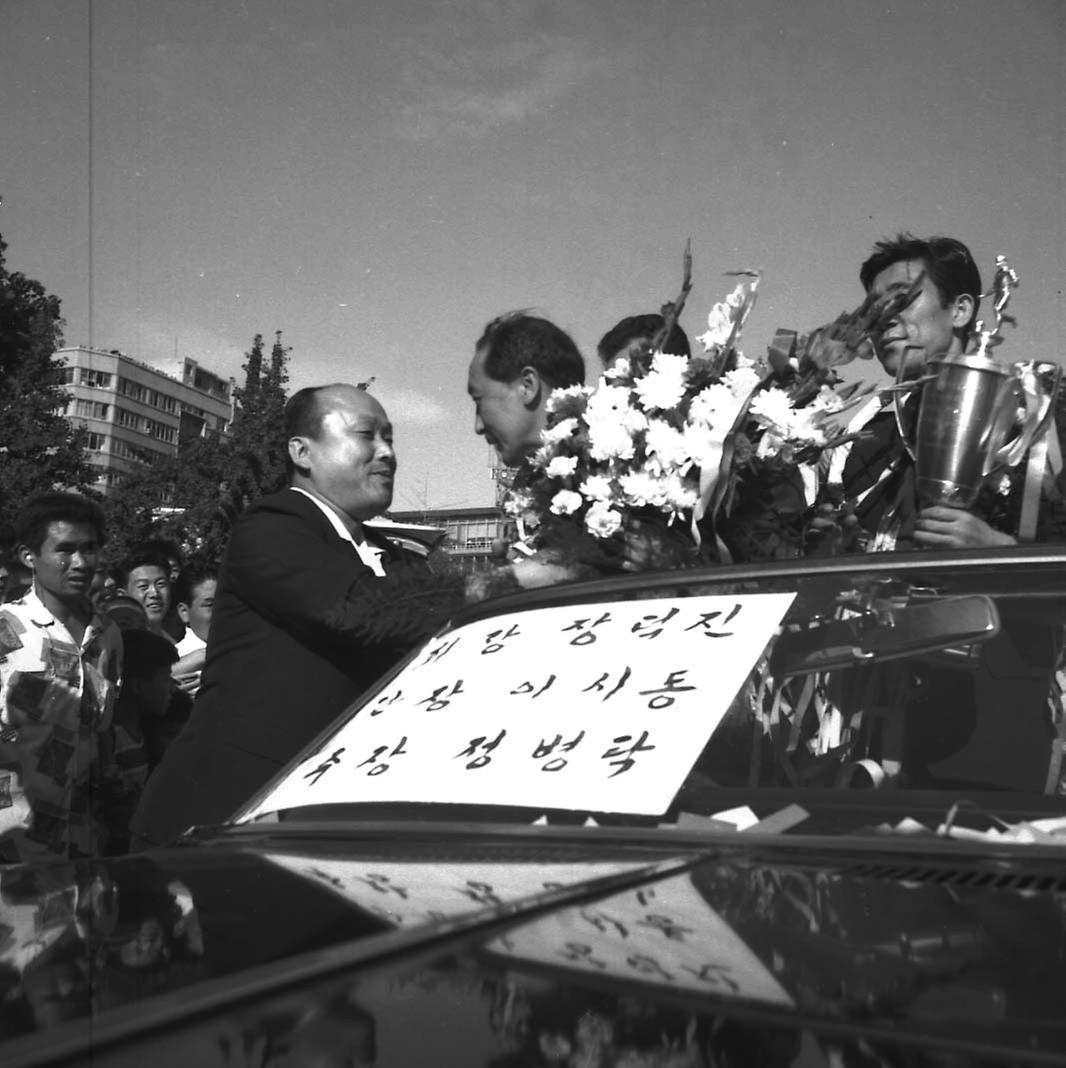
377,180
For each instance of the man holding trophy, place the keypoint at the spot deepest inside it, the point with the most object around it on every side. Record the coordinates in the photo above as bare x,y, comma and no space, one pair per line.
940,464
959,456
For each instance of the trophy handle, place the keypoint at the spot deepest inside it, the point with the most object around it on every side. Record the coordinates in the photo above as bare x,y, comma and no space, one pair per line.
1022,393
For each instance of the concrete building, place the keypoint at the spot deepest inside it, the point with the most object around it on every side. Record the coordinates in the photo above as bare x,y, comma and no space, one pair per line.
134,412
469,532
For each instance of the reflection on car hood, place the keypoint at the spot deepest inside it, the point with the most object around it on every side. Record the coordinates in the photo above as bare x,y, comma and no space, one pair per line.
527,949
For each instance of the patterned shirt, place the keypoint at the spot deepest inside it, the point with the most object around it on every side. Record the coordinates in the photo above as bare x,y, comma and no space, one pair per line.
56,702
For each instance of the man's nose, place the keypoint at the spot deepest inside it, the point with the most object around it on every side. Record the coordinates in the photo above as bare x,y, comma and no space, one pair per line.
479,423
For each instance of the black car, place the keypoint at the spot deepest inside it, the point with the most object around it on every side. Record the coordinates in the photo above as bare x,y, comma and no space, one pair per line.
798,814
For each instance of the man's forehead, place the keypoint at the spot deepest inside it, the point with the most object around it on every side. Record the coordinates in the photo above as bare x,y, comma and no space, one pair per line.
352,405
60,530
898,275
146,571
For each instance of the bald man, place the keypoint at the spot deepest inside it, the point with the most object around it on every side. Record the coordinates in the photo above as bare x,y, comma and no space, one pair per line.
290,644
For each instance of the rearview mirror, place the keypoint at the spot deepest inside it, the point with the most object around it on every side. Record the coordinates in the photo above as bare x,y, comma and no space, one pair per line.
885,632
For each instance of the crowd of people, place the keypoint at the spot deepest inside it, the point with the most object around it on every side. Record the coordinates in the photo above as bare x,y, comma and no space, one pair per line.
144,696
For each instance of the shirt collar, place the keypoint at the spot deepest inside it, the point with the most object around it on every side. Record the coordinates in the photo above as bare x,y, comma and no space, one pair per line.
40,616
370,554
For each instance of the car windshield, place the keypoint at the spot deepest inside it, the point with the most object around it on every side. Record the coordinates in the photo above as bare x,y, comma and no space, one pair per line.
927,686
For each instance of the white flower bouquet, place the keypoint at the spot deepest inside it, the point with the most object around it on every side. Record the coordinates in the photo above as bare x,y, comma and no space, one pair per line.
718,451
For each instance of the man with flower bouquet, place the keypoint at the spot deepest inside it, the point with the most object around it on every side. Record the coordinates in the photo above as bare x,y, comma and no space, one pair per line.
671,459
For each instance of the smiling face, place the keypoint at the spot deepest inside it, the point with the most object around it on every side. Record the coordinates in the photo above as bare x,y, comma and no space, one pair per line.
63,569
150,584
924,329
350,462
508,415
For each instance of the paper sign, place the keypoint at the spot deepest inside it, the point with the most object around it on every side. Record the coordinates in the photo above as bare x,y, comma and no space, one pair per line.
408,894
601,707
663,933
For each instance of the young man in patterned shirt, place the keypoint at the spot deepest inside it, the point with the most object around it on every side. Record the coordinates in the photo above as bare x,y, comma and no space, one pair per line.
60,665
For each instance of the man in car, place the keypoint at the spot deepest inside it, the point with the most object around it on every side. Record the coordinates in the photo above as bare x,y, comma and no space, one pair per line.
60,666
518,361
312,607
628,336
874,476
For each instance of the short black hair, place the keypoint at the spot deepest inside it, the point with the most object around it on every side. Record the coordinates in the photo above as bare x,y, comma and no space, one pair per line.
948,262
516,340
167,547
31,524
193,575
641,326
145,555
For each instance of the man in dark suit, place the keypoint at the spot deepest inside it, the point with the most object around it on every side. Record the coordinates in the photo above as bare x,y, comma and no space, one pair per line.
310,611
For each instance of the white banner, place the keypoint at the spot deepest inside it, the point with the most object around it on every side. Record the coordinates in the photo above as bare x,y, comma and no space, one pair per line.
599,707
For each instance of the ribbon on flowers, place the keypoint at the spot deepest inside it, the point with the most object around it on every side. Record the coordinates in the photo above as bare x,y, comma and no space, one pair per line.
1040,383
714,473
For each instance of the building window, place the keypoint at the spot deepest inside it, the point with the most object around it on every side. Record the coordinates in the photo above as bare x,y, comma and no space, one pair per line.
124,417
160,430
95,442
70,375
90,409
99,379
134,390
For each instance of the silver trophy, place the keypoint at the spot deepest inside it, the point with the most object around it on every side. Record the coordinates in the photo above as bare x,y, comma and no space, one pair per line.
976,416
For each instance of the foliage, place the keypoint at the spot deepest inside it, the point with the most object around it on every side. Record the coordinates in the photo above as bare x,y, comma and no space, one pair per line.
39,448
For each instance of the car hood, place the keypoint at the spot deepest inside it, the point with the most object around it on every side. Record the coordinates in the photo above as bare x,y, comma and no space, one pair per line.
535,946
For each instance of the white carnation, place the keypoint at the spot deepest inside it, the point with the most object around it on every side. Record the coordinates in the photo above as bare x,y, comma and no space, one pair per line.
772,408
601,520
561,467
742,380
665,446
642,488
597,488
664,385
558,396
560,432
565,502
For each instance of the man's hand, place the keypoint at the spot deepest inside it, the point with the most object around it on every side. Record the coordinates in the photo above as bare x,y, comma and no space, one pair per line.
941,527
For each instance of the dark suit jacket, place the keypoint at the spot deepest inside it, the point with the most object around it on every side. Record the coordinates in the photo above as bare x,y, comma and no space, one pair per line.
287,653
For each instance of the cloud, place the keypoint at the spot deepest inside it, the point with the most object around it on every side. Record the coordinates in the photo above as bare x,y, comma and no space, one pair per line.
473,90
408,408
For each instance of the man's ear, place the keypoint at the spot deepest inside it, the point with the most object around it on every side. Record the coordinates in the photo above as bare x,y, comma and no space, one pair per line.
530,387
183,612
27,556
298,453
962,310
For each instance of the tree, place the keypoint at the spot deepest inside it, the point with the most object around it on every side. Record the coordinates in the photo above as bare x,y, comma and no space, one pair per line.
39,448
258,438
